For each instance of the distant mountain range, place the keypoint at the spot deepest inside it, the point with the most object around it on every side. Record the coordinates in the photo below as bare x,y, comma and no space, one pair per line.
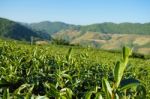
107,27
103,35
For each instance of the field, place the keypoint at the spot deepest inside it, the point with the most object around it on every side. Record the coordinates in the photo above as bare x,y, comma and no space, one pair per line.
66,72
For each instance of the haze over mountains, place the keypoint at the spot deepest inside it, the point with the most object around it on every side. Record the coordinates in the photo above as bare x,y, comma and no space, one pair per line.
103,35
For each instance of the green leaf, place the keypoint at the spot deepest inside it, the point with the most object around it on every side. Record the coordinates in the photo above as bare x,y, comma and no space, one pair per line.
130,85
126,52
117,74
29,94
62,97
140,89
98,96
52,92
107,89
40,97
17,91
66,92
67,76
68,56
88,95
121,66
116,96
6,94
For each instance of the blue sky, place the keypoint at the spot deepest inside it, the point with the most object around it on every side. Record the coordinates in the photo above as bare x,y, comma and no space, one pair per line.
76,11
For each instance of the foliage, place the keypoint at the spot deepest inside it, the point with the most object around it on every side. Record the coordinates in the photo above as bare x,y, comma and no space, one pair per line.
63,72
106,27
117,91
49,27
14,30
122,28
60,41
121,92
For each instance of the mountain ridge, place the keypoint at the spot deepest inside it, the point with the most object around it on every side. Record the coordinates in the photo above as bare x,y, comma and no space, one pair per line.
106,35
105,27
15,30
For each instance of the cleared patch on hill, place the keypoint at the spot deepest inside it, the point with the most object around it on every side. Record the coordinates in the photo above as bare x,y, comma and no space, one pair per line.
140,43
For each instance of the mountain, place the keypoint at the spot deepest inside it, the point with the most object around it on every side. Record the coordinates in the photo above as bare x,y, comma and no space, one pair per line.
46,29
14,30
49,27
108,36
108,41
122,28
106,28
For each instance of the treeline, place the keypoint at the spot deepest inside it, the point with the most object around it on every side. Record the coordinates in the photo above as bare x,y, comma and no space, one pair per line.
122,28
23,31
107,27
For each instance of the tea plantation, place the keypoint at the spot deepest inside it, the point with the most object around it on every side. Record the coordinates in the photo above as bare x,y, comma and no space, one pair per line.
71,72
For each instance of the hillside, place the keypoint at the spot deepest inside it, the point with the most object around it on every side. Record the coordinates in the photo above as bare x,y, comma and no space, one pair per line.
140,43
14,30
49,27
122,28
106,28
108,36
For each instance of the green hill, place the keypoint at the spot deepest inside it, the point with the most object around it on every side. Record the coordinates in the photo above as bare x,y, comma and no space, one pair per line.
140,43
49,27
14,30
107,27
122,28
106,35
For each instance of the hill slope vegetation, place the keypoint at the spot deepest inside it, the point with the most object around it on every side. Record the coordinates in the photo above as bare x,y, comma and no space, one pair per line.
107,27
14,30
104,35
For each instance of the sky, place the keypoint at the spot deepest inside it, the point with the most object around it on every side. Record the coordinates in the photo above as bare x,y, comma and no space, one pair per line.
80,12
